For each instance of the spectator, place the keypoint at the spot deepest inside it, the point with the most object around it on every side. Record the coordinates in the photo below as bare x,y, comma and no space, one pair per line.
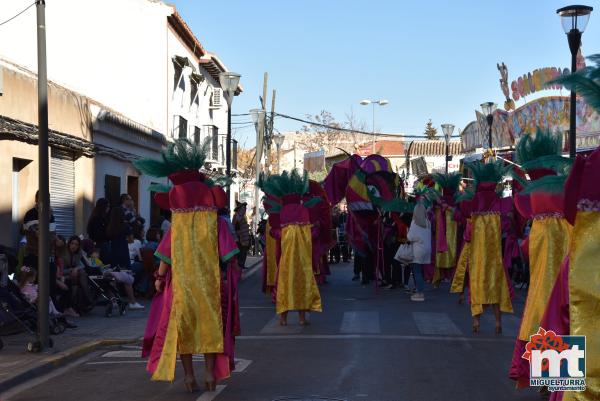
419,235
117,230
30,230
74,270
165,222
152,238
96,227
135,262
63,295
121,277
242,230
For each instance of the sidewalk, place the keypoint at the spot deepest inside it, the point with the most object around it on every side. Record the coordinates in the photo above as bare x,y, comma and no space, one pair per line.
94,330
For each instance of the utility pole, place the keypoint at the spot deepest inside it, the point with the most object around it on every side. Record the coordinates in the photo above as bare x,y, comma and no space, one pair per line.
271,126
266,139
44,181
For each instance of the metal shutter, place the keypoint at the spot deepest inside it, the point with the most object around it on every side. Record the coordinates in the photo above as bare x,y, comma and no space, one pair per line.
62,191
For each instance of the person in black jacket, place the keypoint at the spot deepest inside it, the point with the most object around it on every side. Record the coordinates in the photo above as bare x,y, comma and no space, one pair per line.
96,227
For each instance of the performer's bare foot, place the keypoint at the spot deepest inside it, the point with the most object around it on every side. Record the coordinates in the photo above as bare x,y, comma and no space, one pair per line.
283,319
190,384
302,318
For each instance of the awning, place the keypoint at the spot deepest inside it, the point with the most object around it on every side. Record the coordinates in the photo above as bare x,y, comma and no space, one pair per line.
21,131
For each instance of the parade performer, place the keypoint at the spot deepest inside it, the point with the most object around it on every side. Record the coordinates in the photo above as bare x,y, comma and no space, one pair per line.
272,245
463,202
194,310
575,300
296,287
320,216
488,280
446,226
542,200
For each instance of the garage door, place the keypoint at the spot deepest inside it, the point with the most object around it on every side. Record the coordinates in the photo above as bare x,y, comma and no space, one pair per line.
62,191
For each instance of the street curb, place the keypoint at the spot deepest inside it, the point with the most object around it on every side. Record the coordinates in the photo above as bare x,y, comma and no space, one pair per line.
60,359
64,357
251,269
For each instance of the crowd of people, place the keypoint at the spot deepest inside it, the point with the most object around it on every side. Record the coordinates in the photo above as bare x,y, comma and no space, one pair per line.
112,249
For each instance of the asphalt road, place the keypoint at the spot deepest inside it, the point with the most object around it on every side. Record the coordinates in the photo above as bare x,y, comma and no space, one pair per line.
365,346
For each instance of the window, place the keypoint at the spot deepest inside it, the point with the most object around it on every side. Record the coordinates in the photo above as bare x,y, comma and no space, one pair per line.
182,129
215,142
212,132
197,135
133,188
234,151
178,80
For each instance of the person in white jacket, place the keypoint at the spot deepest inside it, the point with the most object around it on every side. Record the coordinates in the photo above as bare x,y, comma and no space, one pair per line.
419,235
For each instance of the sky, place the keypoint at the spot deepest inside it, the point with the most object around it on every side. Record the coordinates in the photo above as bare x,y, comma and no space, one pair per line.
430,59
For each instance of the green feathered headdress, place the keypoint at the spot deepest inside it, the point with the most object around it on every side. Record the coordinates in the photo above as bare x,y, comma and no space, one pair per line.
465,195
283,184
447,181
178,156
542,150
586,82
554,184
488,172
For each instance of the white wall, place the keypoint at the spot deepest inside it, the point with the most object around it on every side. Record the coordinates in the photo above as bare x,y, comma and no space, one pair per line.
180,101
105,49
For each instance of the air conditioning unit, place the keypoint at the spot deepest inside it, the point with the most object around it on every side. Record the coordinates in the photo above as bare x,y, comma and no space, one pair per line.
217,96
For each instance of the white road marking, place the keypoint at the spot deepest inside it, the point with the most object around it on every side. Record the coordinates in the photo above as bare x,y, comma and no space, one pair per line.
372,337
436,324
366,322
123,354
257,307
209,396
248,273
241,365
28,385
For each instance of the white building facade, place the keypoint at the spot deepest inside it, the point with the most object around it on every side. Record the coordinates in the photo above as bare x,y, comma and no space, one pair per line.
146,76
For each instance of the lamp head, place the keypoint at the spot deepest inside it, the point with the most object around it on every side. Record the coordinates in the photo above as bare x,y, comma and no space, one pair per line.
574,17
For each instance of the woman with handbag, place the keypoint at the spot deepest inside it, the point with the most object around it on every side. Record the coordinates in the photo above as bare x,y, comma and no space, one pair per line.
419,236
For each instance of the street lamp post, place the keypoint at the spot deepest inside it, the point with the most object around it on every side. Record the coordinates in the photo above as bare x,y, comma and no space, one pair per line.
381,102
574,20
448,129
278,142
488,109
229,83
258,117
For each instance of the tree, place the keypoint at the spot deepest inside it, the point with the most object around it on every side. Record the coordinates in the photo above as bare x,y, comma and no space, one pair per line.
246,162
430,131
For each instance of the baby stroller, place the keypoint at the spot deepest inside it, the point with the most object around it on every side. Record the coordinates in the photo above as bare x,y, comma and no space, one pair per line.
14,308
106,291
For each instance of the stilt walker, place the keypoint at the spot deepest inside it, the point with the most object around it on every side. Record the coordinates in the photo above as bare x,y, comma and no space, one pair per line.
194,310
488,280
542,200
446,226
296,287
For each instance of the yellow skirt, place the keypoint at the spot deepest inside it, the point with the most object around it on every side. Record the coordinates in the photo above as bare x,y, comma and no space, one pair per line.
458,282
195,323
584,298
487,279
271,257
548,245
296,285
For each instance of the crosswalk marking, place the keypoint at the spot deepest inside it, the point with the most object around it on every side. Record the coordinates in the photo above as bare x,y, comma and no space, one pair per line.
510,323
273,326
431,323
360,322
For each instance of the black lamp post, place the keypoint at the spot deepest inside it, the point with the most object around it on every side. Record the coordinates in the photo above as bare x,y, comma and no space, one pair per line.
574,19
488,109
448,129
229,83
